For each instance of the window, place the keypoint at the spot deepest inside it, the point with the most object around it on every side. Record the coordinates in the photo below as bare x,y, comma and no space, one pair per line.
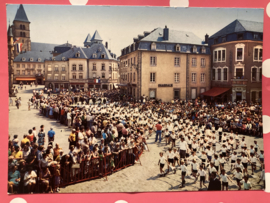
31,59
239,53
256,36
203,50
94,75
223,39
73,67
257,53
63,58
73,76
56,67
28,65
202,77
56,77
153,61
39,59
193,77
94,56
18,72
220,55
23,66
213,74
134,76
219,74
194,49
94,66
34,65
110,67
202,62
193,93
80,76
49,76
102,56
240,36
103,66
177,61
80,67
39,71
18,65
194,62
152,77
176,93
253,74
177,47
128,62
103,75
28,73
23,59
153,46
63,68
239,73
225,71
176,77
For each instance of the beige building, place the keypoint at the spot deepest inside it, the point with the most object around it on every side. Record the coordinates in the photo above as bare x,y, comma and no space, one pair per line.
159,65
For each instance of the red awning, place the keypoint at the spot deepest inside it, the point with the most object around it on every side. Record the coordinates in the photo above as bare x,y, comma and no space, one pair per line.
215,91
25,79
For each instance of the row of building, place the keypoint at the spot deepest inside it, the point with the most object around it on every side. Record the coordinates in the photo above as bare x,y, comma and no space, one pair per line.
162,64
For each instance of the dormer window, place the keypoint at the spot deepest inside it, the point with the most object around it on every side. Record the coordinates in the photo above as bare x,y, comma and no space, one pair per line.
177,47
78,54
94,56
103,56
31,59
99,49
194,49
53,58
153,46
63,58
23,59
39,59
134,47
203,50
240,36
255,36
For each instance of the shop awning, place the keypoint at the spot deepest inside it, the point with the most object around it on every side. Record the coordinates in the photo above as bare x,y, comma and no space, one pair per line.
25,79
215,91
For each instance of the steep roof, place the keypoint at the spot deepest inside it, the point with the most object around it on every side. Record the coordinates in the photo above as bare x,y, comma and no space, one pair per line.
88,38
71,53
64,45
175,36
35,55
239,26
37,46
21,15
96,37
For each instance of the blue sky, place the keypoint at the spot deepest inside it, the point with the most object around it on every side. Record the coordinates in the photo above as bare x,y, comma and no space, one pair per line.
118,25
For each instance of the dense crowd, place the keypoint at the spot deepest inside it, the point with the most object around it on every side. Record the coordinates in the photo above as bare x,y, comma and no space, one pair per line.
107,122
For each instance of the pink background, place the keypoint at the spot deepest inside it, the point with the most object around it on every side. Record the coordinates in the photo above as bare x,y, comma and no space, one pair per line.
209,197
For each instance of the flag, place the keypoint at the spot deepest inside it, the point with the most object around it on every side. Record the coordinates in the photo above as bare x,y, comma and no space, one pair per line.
16,40
19,47
97,80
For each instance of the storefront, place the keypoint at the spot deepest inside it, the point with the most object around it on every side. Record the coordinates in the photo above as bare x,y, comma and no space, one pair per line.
25,80
239,93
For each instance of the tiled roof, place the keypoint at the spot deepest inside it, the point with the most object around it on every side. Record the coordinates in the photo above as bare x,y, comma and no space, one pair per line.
37,46
175,36
21,15
35,55
88,38
239,26
64,45
96,37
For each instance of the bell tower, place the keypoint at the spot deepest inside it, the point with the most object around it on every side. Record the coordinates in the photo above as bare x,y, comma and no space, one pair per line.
21,32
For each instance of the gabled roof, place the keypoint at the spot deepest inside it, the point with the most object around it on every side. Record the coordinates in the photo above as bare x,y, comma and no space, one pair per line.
71,53
88,38
37,46
239,26
96,37
33,54
21,15
175,36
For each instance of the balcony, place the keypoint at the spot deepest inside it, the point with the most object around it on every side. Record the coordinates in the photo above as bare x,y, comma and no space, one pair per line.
239,81
39,75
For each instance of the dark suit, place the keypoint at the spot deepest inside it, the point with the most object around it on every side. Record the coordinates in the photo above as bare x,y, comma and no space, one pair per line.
214,185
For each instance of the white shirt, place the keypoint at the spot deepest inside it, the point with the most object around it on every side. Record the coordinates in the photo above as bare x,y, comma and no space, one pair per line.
183,145
247,185
224,178
194,166
162,160
213,169
27,175
239,175
202,172
170,155
183,168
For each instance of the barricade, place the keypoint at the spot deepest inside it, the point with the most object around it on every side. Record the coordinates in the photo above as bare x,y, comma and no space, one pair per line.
99,167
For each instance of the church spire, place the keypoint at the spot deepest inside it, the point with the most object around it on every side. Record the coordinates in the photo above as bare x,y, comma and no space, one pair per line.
21,15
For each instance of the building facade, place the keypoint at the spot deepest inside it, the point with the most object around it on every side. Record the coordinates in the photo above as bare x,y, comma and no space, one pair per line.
237,60
165,64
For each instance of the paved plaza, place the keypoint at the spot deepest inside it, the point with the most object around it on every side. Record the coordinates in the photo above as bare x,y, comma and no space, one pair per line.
135,178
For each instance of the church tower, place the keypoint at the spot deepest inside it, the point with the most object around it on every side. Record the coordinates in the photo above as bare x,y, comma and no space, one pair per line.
10,60
21,32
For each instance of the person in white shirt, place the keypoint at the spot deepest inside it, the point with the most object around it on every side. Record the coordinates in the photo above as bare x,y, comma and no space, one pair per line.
244,161
183,168
253,161
30,179
173,137
211,169
194,167
161,162
170,156
246,183
238,175
183,148
262,177
233,159
202,174
225,180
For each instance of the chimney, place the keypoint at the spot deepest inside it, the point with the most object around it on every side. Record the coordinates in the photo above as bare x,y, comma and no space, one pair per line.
109,51
206,39
166,33
106,45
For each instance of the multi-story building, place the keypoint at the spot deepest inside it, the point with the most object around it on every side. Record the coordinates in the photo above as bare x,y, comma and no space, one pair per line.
81,68
237,61
165,64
